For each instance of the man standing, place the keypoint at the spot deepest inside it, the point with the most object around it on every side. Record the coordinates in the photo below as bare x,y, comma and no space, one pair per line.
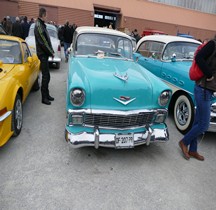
67,37
44,50
17,28
9,25
136,35
25,27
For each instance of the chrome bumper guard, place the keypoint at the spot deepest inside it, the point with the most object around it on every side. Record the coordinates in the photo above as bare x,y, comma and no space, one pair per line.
108,140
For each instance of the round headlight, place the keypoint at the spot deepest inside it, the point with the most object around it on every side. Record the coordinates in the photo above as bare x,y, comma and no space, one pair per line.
77,97
164,98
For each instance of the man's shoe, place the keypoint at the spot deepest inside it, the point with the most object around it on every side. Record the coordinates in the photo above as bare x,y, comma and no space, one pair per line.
196,155
50,98
184,150
46,101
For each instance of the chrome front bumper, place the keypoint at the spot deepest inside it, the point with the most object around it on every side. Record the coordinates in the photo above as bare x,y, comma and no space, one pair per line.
97,139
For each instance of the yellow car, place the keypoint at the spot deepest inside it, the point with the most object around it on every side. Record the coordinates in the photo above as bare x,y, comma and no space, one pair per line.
19,73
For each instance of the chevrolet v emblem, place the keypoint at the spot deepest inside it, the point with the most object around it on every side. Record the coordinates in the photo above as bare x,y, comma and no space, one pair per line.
124,78
123,100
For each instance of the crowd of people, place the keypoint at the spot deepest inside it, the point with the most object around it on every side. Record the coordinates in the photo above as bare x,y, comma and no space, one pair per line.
20,27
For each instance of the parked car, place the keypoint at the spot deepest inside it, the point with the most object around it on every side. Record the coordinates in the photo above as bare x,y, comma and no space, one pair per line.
53,33
2,30
111,101
19,72
169,58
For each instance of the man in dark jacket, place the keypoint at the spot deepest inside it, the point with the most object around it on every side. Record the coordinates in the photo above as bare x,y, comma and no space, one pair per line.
44,50
17,28
25,27
67,37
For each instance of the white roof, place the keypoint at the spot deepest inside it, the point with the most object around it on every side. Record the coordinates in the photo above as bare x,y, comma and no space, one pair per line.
91,29
166,39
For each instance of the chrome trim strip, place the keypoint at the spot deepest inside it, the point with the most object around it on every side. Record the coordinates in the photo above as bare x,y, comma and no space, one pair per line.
177,87
113,112
124,102
108,140
4,116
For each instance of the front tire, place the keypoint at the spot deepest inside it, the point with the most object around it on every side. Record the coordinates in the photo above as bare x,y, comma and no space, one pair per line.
17,116
183,113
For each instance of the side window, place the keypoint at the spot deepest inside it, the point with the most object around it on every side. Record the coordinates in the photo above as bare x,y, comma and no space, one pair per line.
156,50
151,49
144,49
26,52
125,48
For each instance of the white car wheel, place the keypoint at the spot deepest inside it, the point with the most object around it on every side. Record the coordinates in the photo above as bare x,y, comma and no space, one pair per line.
183,113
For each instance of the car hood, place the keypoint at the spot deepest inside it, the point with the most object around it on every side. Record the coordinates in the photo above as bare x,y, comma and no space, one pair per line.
104,87
5,69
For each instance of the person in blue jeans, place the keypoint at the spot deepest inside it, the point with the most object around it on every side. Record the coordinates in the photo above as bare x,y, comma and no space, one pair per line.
203,99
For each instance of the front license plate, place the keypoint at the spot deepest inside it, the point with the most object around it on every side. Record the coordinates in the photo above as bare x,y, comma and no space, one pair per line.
124,140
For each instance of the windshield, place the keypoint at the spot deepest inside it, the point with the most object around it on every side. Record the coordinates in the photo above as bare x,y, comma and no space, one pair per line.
10,52
51,32
181,50
108,45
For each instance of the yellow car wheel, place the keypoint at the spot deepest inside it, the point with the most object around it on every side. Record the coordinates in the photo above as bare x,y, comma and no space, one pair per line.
17,116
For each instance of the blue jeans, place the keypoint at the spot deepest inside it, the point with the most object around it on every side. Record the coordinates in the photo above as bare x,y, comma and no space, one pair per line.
66,46
201,123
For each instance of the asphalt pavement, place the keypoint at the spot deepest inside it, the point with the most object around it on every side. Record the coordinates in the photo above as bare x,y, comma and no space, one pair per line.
39,171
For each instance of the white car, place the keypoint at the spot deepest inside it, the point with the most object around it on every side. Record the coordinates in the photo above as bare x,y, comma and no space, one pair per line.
53,33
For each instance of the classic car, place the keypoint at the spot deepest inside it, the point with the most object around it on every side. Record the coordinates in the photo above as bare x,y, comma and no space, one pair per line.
111,101
53,33
19,72
170,58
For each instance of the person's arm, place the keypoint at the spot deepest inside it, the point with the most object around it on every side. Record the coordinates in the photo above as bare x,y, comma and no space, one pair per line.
42,40
202,57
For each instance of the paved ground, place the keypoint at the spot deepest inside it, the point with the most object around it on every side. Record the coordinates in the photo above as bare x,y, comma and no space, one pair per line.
39,171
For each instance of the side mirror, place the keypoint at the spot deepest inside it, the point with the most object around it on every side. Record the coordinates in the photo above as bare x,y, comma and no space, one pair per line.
153,55
173,58
30,60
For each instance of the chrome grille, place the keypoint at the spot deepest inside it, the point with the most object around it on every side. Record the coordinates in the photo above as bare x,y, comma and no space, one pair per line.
119,121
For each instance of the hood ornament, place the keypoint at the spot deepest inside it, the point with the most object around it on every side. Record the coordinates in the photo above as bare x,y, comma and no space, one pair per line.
125,100
124,78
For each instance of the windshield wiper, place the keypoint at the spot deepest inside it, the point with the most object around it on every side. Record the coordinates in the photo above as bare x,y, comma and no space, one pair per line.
116,54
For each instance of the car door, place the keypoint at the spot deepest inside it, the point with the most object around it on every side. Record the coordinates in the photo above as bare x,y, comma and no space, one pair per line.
151,56
30,73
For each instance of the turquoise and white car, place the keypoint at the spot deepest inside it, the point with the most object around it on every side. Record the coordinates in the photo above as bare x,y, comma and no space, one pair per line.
112,101
170,58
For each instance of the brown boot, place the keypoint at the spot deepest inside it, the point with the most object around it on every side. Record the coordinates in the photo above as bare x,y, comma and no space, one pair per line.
196,155
184,150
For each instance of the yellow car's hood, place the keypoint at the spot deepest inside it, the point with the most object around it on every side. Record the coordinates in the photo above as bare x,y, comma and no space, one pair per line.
4,69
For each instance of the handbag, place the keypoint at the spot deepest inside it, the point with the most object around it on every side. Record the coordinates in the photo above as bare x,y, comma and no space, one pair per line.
195,73
209,85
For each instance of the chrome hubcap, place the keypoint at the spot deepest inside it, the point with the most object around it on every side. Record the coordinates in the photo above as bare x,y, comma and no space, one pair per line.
182,113
18,114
